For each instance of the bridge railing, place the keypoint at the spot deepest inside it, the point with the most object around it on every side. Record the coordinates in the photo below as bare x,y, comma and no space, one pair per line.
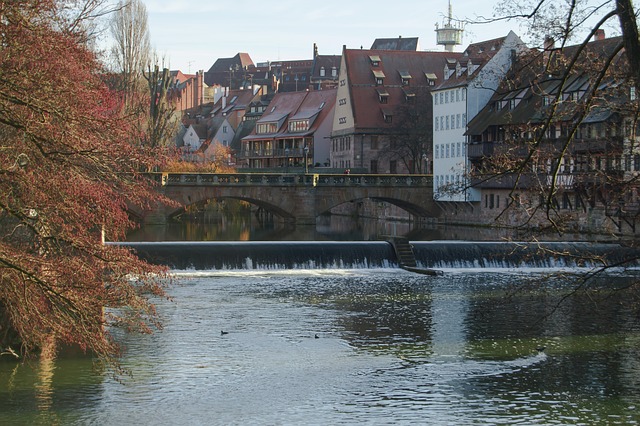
276,179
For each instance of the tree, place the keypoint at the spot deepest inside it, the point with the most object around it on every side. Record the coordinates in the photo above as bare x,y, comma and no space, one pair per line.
411,141
68,172
131,51
162,122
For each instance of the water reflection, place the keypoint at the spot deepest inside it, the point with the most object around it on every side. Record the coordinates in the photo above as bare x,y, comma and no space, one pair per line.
328,228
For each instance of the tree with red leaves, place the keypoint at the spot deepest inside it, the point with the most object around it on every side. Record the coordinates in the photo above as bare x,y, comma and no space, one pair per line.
68,173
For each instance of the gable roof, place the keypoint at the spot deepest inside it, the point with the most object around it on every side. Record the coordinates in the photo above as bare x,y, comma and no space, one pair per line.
219,71
520,97
475,57
315,105
393,64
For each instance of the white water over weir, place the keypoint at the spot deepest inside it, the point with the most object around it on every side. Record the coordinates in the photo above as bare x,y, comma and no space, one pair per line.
259,255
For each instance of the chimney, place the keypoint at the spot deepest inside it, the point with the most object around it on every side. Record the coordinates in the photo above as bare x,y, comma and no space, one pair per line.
549,45
315,50
200,87
599,35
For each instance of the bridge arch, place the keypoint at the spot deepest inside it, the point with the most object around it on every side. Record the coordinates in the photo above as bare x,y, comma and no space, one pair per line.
300,198
269,207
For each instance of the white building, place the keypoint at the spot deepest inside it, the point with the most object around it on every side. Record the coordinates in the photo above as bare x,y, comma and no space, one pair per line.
469,83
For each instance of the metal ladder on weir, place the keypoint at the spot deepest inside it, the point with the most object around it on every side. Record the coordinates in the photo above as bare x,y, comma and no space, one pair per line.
404,252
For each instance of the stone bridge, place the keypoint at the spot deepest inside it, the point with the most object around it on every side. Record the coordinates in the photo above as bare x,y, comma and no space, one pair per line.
296,198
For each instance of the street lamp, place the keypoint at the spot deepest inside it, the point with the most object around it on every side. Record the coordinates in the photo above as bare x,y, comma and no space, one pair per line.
424,161
286,153
306,164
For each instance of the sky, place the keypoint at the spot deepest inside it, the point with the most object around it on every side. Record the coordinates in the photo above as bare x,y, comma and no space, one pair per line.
191,34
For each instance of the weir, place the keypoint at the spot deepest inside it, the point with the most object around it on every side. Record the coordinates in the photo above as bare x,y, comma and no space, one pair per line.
235,255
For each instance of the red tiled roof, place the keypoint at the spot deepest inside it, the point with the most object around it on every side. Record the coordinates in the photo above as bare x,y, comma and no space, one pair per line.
362,83
297,105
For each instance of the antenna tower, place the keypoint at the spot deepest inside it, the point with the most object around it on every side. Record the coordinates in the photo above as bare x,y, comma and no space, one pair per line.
450,34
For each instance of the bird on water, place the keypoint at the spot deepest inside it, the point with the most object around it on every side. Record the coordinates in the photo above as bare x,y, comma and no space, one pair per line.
222,332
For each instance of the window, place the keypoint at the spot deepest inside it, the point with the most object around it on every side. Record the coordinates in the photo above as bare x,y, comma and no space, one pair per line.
447,122
457,121
298,126
437,122
405,77
379,77
458,149
435,99
224,129
457,95
383,95
334,72
632,93
343,82
342,101
437,153
374,142
374,166
342,120
375,60
431,78
388,118
321,71
263,128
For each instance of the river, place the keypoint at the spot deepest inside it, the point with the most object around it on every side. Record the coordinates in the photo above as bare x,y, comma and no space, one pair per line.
341,340
392,347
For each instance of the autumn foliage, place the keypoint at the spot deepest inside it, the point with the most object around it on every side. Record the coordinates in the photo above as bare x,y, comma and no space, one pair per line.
68,172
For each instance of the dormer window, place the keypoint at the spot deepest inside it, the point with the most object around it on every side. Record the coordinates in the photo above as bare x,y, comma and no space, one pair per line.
387,115
406,77
321,71
375,60
266,128
379,76
296,126
334,72
409,96
431,78
383,95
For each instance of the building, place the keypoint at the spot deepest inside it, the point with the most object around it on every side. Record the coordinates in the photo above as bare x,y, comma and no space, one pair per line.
218,123
325,71
293,132
187,90
375,88
560,144
468,84
229,72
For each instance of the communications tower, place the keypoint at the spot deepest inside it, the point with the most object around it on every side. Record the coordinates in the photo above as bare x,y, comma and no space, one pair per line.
450,34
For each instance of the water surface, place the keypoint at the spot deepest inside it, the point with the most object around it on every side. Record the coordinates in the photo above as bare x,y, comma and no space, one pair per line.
392,348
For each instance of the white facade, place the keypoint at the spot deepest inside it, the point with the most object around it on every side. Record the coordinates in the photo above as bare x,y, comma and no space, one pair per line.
191,140
454,105
449,145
